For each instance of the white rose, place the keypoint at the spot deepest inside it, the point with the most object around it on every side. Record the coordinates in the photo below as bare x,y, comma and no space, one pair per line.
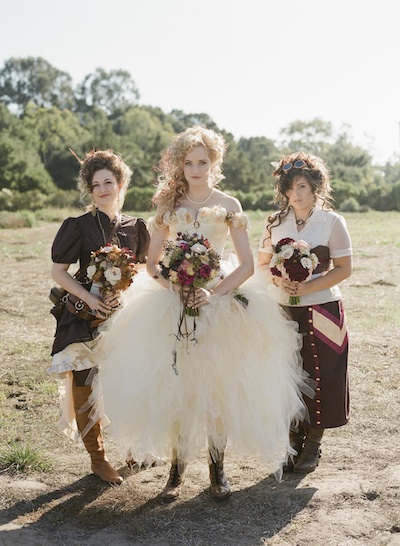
91,270
286,252
314,259
198,248
303,246
188,255
166,261
306,263
113,275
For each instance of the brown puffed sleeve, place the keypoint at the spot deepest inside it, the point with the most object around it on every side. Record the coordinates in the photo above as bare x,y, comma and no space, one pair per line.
144,240
67,243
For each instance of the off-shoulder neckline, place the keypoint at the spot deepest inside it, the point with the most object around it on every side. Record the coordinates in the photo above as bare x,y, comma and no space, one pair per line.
218,208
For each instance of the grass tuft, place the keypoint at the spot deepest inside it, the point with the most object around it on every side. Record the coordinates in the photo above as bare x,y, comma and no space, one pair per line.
23,458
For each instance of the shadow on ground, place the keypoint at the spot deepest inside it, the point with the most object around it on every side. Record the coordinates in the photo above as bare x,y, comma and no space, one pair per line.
89,512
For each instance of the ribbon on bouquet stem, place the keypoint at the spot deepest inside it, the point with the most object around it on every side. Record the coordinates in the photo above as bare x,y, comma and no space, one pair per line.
183,333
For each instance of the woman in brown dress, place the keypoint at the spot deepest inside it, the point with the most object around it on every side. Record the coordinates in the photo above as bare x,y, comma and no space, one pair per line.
104,178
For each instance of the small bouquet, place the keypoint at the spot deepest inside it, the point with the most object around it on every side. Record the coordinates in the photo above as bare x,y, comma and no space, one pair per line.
190,262
113,268
293,260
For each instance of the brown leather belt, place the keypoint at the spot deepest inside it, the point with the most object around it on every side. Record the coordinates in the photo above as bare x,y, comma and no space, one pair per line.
79,308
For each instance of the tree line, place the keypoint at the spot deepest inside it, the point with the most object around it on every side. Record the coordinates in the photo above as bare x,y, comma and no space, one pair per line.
42,115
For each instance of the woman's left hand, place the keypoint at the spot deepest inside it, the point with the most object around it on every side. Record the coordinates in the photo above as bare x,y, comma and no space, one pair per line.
294,288
113,299
201,297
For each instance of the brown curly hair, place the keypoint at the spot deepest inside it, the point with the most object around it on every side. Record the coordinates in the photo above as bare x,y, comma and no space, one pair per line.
171,180
96,160
315,171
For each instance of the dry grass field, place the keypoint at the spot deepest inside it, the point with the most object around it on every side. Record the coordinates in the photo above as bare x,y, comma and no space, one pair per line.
352,499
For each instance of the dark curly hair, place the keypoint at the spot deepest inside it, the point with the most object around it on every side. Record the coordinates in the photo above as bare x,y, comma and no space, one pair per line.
314,170
96,160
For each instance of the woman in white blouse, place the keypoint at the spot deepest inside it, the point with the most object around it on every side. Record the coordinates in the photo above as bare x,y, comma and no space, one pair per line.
302,193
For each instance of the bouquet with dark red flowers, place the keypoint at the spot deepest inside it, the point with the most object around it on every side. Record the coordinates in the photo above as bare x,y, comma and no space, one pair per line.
190,262
293,260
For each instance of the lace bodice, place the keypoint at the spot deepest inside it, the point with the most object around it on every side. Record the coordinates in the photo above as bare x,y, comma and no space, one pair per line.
213,223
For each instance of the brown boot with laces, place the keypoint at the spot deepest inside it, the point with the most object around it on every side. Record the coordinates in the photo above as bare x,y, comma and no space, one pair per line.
309,458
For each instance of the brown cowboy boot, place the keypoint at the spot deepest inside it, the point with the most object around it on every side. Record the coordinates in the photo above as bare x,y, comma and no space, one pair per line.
220,486
296,438
308,460
93,440
175,481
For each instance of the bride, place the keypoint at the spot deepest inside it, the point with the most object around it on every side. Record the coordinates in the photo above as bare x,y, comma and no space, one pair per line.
238,377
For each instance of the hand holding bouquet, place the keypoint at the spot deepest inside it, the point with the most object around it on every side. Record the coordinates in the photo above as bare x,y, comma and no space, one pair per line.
293,260
113,268
189,262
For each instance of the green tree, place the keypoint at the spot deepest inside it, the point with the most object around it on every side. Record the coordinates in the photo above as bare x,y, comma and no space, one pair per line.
142,137
181,121
308,136
21,168
112,91
33,79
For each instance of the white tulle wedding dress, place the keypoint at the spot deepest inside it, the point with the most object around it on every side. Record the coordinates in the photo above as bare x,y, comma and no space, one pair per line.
241,379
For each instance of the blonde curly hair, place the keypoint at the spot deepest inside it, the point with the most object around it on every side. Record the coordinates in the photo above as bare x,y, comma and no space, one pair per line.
171,180
96,160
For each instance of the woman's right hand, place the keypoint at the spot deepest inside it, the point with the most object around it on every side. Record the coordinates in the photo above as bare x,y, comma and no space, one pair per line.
97,305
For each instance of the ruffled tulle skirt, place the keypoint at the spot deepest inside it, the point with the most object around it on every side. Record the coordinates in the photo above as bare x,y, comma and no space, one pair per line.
239,375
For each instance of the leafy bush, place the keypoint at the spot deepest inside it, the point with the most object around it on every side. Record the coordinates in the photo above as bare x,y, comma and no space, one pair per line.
13,220
350,205
138,199
6,199
30,200
63,199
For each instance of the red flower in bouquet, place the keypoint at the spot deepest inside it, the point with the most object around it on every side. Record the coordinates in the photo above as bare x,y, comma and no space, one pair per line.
190,262
293,260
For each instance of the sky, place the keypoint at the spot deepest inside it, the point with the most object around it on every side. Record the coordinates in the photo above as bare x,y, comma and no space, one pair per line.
254,66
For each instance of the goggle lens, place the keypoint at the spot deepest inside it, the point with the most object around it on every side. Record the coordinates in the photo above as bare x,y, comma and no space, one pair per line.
299,164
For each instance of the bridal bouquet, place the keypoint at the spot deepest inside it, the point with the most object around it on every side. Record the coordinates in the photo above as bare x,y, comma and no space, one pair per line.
113,268
293,260
190,262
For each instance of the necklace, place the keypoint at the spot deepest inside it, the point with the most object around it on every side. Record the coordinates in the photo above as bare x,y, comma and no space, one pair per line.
198,202
300,222
114,236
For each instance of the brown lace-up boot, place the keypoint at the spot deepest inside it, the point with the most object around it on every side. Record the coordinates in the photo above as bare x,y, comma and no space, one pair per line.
175,481
220,486
308,460
93,440
296,441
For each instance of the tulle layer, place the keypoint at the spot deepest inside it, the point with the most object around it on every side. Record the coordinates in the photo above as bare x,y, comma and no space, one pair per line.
241,379
75,357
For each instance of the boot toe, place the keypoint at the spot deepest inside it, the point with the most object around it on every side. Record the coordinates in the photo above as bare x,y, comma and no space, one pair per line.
106,473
